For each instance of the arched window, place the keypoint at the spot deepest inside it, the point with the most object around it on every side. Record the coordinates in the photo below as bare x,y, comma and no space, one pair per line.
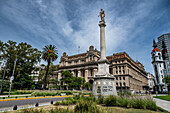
124,84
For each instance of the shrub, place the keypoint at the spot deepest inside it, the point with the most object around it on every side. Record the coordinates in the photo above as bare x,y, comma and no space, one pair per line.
110,101
100,99
150,104
139,103
125,93
86,106
123,102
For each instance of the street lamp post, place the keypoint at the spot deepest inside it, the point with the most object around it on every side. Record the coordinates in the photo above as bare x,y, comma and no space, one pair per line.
3,78
12,77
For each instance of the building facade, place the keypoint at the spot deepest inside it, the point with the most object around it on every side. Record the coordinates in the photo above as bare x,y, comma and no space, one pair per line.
161,61
129,75
151,81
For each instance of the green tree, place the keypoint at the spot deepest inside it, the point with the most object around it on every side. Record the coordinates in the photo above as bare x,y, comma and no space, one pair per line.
25,55
166,80
70,81
6,84
24,81
49,55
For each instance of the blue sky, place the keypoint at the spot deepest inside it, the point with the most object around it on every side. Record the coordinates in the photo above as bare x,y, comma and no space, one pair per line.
67,24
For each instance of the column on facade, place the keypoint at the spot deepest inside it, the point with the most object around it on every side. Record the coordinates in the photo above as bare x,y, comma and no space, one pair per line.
86,75
79,73
73,73
95,71
59,76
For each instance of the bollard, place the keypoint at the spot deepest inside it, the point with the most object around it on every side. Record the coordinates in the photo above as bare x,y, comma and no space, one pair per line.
44,95
8,96
3,97
35,96
16,97
51,102
26,96
36,105
15,107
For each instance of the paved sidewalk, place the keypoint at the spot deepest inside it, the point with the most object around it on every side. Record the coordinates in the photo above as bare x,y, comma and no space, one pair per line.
15,95
162,103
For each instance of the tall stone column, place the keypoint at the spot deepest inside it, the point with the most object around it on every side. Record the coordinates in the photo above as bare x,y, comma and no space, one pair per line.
103,81
102,40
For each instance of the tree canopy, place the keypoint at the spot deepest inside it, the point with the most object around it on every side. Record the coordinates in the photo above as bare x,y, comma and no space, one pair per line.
49,55
25,55
70,81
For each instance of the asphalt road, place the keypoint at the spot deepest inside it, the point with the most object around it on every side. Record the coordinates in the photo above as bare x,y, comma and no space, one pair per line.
4,104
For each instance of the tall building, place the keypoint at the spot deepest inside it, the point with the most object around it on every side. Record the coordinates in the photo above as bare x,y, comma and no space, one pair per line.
161,60
166,39
151,81
129,75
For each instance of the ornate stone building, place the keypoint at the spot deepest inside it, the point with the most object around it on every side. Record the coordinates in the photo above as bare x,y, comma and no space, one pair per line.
129,75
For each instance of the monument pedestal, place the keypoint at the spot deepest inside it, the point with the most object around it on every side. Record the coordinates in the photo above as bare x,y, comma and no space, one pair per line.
104,86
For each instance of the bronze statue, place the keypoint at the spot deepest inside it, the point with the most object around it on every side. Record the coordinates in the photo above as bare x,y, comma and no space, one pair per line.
102,15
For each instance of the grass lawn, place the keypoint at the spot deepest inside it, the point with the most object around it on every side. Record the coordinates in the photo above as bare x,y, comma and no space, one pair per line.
167,97
47,109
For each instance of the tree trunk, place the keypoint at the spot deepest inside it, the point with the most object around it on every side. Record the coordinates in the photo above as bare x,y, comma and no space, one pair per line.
45,79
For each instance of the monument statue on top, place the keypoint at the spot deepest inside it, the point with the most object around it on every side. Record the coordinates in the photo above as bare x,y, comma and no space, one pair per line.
103,81
102,15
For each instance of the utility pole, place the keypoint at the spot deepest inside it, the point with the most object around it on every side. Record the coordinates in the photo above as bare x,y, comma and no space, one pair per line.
3,77
12,77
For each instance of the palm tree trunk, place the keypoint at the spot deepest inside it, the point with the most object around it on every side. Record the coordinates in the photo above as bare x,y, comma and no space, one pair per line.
45,79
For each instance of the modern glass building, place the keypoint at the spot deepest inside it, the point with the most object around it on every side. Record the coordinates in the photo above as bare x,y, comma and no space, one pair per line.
166,39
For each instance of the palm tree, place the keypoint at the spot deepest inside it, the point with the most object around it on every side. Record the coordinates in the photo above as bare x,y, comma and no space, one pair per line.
49,55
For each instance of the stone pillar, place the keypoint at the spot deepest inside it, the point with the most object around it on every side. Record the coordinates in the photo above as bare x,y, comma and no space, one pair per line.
103,81
79,73
95,71
59,76
102,40
86,75
73,73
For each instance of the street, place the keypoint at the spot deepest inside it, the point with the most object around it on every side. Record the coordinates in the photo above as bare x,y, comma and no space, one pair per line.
4,104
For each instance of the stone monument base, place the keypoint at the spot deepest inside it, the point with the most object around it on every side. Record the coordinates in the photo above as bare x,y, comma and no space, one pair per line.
104,86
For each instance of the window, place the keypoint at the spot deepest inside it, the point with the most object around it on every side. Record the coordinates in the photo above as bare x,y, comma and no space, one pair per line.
123,78
116,62
165,71
116,78
116,72
169,67
123,71
168,62
116,84
111,70
168,71
120,78
160,65
124,84
120,84
90,58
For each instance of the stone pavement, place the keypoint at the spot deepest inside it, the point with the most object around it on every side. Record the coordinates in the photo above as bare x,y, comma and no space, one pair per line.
162,103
